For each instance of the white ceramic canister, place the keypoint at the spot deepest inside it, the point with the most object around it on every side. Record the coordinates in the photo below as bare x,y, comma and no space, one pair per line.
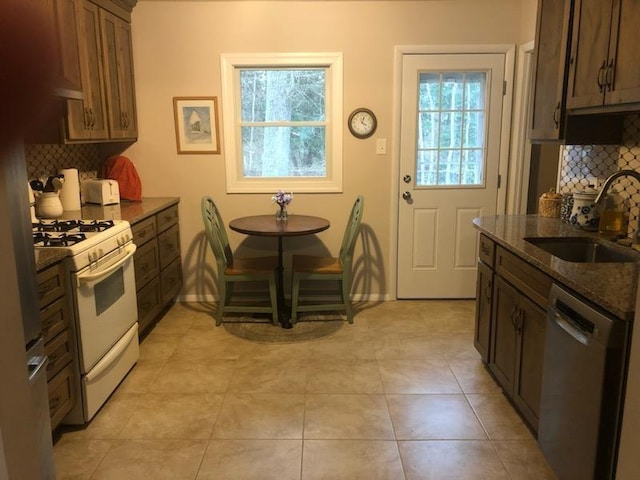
585,213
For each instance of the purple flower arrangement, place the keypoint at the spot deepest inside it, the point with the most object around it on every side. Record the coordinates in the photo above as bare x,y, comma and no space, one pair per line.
282,199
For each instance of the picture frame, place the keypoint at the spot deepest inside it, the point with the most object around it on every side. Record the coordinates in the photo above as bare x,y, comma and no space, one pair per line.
197,127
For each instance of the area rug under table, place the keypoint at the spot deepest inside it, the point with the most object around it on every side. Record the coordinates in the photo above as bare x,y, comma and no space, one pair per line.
309,327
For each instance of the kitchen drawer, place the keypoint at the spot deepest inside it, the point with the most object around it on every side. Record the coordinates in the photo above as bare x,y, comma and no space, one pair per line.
525,277
169,245
62,395
144,231
146,263
149,304
486,250
51,284
167,217
60,353
171,281
55,318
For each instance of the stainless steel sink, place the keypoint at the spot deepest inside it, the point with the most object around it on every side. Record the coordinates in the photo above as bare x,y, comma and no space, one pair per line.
582,250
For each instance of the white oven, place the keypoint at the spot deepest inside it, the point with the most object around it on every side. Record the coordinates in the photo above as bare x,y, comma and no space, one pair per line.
101,274
104,304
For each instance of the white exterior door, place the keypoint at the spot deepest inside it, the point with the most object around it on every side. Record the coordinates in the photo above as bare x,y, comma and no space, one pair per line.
449,159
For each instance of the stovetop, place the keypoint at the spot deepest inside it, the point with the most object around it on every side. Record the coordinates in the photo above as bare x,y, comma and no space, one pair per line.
65,233
84,240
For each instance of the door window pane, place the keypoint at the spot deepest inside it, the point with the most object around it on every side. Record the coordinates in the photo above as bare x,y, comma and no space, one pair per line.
451,129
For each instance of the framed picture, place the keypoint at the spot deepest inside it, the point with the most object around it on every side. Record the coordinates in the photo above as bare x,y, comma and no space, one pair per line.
196,124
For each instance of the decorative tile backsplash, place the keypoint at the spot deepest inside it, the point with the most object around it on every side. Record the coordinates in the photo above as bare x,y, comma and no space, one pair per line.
46,159
584,165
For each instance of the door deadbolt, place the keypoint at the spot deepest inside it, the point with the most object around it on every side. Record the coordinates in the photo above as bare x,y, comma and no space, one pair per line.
406,195
406,178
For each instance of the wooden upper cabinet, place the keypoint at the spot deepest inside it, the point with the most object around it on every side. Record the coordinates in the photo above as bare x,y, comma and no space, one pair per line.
79,29
604,66
96,53
625,51
550,70
68,21
119,82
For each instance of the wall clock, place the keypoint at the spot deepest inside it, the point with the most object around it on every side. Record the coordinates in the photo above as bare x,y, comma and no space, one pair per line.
362,123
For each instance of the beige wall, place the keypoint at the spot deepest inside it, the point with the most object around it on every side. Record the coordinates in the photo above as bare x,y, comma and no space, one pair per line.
528,21
177,47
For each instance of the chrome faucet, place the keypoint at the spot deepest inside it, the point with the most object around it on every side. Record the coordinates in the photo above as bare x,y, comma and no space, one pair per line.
611,179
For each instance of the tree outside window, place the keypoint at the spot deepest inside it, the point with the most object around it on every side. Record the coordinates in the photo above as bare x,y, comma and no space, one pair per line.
282,117
451,129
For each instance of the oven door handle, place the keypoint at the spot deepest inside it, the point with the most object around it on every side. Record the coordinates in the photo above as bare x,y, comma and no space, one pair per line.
130,249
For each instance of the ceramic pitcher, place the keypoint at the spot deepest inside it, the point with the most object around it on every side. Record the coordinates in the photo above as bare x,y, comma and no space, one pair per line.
48,204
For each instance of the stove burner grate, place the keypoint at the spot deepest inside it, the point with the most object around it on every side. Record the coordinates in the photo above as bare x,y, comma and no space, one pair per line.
54,225
45,239
94,225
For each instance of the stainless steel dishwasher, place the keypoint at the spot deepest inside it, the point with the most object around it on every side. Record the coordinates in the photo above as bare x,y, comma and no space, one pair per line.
582,386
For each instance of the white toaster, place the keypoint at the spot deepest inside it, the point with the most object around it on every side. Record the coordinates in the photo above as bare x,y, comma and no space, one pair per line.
102,191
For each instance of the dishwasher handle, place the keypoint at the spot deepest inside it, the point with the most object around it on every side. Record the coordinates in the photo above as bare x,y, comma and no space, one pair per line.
565,322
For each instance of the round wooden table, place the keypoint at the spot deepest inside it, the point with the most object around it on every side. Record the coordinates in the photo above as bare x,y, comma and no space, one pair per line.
268,226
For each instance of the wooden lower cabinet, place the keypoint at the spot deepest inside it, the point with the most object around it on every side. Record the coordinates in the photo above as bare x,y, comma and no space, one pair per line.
149,304
56,315
158,264
171,280
530,361
484,294
62,395
510,325
502,362
517,348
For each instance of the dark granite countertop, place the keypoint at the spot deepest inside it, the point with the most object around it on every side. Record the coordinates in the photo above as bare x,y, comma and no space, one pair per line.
130,211
613,286
45,257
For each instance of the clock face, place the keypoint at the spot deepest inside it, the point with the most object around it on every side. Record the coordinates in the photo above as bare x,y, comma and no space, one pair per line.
362,123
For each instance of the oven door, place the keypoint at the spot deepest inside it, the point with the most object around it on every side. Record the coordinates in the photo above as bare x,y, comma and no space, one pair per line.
106,306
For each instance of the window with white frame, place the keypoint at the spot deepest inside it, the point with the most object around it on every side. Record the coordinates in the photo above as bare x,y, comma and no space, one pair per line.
282,122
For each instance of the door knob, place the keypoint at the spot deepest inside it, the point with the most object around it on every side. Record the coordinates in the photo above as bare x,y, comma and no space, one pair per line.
406,195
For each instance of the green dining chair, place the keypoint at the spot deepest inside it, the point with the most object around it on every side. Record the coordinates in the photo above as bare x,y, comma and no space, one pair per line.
234,270
307,267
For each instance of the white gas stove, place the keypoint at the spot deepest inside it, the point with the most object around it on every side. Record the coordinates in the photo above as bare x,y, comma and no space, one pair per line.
85,241
102,283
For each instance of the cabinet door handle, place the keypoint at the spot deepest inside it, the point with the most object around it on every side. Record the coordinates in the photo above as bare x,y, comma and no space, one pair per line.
556,116
487,291
126,119
601,74
86,118
519,319
609,75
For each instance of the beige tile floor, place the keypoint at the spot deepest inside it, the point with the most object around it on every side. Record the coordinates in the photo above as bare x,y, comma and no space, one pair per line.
400,394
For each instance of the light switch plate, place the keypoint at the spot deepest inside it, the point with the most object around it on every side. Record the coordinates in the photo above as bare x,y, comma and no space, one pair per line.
381,146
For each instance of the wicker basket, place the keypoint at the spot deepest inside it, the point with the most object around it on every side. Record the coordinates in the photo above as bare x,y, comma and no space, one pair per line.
550,204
